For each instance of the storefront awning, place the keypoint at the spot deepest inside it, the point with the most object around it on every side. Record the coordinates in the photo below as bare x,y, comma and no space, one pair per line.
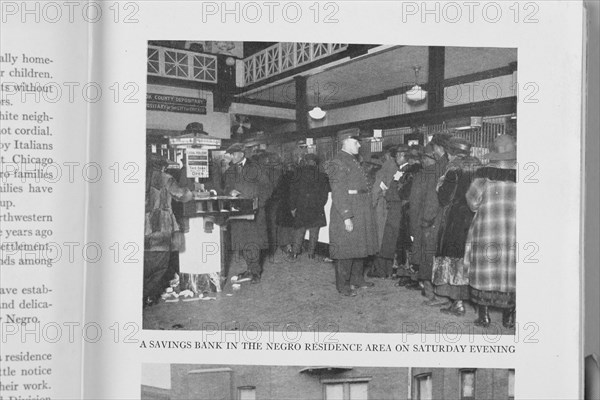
324,370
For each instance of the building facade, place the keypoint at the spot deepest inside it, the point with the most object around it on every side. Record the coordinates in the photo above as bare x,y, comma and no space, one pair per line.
249,382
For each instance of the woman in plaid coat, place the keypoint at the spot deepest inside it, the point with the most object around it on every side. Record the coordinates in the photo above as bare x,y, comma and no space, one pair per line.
490,254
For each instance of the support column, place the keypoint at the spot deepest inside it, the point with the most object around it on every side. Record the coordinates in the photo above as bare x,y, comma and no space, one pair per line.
301,104
435,77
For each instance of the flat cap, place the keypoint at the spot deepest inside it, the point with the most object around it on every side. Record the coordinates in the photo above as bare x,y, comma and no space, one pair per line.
235,148
349,135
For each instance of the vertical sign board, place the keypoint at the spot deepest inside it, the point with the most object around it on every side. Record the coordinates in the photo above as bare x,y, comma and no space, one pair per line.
197,163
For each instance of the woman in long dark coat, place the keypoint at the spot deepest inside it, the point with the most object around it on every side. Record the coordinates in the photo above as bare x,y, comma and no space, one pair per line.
449,275
425,218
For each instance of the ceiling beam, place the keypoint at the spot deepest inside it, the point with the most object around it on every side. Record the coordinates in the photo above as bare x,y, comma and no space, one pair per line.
506,105
259,110
439,88
266,103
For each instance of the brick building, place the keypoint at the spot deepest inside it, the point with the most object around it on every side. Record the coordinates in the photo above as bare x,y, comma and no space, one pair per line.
248,382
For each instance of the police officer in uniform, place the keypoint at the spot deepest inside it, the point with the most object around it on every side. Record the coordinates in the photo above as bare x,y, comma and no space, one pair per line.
352,229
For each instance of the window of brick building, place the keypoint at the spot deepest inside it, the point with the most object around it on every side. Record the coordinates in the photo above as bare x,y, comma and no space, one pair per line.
511,384
467,384
423,387
346,390
247,393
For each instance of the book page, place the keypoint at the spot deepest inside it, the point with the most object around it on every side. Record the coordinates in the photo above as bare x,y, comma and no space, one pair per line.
213,71
216,286
45,93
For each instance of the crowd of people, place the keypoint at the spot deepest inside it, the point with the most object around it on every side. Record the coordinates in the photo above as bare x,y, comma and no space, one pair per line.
443,223
291,199
432,217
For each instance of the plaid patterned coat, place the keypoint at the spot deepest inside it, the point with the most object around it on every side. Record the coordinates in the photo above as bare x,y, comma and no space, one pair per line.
490,253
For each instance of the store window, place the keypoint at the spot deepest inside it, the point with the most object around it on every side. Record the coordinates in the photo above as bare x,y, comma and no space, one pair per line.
423,387
467,384
511,384
247,393
347,391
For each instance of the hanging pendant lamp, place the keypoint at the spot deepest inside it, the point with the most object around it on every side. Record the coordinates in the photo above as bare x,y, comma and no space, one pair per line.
416,93
317,113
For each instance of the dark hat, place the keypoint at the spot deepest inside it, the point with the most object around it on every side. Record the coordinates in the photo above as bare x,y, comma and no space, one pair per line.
458,145
235,148
504,149
389,147
440,139
415,151
156,161
428,151
349,135
403,148
195,128
311,157
251,142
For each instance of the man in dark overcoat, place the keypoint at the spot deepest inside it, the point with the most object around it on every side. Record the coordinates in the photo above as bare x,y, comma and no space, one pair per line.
247,178
352,228
308,196
388,246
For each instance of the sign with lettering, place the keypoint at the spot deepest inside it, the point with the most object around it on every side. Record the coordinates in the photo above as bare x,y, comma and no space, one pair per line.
189,141
178,104
197,163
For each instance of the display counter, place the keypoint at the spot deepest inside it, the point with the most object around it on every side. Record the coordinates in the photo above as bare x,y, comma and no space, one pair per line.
204,242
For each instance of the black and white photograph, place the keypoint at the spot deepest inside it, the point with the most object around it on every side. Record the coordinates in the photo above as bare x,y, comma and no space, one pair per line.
331,186
338,214
252,382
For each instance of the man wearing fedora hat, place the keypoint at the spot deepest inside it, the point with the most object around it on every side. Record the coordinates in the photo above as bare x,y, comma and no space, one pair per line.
195,128
492,196
248,179
252,148
390,240
352,230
